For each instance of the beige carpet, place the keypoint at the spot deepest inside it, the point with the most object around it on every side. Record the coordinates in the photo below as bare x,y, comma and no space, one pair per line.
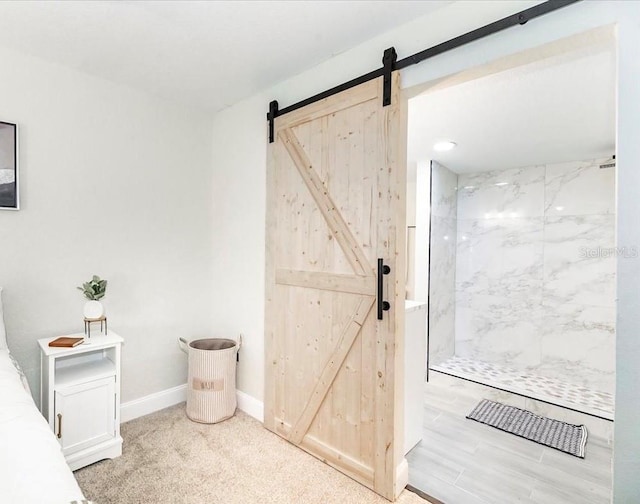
169,459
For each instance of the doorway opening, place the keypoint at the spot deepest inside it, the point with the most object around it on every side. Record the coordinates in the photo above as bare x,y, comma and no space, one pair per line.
511,205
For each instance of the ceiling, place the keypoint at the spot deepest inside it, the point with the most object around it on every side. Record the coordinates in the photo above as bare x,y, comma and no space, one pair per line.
552,110
206,54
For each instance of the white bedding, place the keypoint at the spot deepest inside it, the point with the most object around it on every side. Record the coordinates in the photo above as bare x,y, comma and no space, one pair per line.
32,467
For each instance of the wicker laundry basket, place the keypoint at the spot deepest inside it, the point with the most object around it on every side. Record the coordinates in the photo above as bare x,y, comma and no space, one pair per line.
211,385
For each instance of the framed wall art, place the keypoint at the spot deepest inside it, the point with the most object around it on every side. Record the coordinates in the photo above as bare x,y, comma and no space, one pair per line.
9,195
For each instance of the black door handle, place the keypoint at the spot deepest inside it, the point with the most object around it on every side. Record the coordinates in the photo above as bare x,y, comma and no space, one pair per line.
383,269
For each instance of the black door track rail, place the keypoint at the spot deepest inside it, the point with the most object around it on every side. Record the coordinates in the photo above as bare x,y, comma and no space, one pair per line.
391,63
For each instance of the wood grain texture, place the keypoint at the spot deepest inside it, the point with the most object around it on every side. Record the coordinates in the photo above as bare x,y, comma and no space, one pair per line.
335,204
331,369
350,466
332,215
327,281
391,215
271,343
332,104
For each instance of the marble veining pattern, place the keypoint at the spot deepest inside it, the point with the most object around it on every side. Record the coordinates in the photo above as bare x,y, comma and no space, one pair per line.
578,341
579,188
442,288
501,194
444,191
579,267
499,328
537,386
500,257
535,271
442,264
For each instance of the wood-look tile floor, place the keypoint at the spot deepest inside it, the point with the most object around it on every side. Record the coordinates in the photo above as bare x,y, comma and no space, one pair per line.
460,461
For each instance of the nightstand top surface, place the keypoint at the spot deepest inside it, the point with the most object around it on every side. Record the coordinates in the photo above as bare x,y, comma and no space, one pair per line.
96,342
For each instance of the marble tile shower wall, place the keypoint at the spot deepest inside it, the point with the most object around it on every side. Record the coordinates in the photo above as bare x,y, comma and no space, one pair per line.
535,270
442,263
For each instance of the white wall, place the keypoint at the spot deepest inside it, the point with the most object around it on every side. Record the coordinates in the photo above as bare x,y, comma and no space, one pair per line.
423,227
239,163
239,140
114,183
626,483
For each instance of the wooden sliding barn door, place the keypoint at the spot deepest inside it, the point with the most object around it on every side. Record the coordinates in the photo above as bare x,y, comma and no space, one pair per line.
335,205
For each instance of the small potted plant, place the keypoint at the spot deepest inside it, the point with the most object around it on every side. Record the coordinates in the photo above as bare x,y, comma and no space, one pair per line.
94,291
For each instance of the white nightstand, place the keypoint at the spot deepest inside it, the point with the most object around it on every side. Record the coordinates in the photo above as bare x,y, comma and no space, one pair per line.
80,397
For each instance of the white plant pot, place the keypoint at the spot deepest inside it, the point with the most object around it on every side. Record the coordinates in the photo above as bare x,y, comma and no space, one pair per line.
93,310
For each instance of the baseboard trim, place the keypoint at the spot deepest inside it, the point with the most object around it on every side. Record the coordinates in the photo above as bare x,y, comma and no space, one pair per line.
170,397
152,403
251,406
402,477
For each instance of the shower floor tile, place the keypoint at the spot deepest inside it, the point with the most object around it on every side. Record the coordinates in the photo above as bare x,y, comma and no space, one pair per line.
529,384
